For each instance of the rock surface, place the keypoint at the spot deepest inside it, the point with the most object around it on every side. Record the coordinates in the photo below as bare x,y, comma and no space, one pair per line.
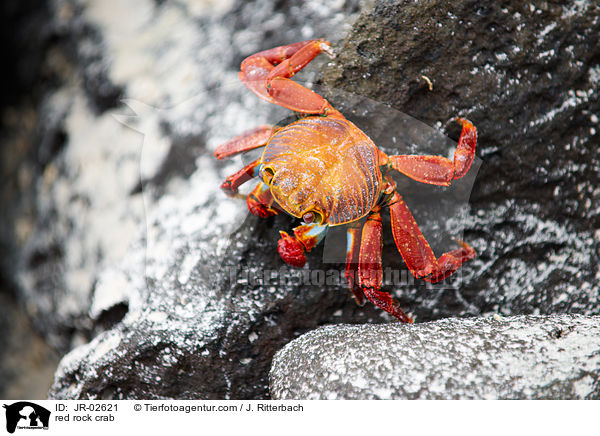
523,357
528,76
173,306
125,251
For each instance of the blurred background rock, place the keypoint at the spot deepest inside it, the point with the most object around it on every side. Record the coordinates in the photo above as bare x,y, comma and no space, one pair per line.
27,363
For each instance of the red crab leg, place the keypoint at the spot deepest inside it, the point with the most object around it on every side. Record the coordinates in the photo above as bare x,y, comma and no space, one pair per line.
234,181
273,56
272,83
249,140
255,68
370,273
260,201
437,170
415,250
352,252
384,301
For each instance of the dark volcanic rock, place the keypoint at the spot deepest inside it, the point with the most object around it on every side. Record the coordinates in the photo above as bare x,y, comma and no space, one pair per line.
147,260
528,76
200,323
524,357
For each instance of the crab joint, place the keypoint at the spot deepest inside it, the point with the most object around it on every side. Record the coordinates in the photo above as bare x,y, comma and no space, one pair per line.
310,234
260,201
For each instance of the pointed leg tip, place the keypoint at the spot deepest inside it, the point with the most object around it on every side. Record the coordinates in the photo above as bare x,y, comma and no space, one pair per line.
402,317
218,154
463,121
325,47
472,253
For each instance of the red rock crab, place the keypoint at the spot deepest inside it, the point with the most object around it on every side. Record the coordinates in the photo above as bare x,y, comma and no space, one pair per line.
326,171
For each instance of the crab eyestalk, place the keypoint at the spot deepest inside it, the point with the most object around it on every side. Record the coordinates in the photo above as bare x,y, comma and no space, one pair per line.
291,248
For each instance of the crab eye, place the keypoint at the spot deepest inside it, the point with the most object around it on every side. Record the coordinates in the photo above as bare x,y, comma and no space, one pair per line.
267,175
312,217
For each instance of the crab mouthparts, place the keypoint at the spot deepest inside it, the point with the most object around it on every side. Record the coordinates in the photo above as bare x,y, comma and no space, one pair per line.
285,201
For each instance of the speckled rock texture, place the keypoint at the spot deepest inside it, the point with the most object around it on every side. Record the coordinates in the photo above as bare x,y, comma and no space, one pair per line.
523,357
156,293
527,74
124,251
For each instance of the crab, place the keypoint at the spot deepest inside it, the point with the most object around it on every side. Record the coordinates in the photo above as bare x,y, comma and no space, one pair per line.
327,172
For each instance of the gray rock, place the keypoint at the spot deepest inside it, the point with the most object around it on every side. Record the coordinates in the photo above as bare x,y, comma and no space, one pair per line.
522,357
176,302
126,252
89,169
527,75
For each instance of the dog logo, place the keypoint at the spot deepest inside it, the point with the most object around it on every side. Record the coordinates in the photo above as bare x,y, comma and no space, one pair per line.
26,415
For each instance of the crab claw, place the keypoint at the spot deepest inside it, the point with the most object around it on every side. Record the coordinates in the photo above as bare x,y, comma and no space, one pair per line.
291,250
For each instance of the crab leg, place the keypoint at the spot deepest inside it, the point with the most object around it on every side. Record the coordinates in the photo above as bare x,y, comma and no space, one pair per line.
352,253
260,201
291,248
234,181
272,83
255,68
275,55
384,301
437,170
415,250
370,273
249,140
